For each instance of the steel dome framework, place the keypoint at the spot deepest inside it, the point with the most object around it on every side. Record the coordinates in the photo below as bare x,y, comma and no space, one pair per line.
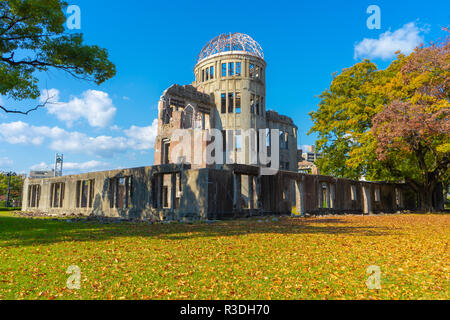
231,42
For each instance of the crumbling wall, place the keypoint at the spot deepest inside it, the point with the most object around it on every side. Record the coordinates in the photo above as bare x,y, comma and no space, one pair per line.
178,192
285,124
172,116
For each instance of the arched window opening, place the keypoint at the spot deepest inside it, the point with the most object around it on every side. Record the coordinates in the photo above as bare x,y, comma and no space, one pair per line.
188,117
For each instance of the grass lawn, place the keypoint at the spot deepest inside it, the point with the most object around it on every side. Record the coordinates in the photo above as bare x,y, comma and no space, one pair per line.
314,258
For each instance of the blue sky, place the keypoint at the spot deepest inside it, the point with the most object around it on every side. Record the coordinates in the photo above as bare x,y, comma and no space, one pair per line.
154,44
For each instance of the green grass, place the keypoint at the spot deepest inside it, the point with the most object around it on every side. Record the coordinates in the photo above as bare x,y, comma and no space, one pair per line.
316,258
8,209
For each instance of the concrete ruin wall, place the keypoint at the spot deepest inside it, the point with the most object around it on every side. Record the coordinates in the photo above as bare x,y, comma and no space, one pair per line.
172,116
177,192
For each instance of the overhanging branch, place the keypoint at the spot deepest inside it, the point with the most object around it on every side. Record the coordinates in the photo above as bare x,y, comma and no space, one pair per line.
42,105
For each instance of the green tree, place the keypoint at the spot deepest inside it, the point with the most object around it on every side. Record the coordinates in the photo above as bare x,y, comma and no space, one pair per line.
390,124
33,40
15,192
344,119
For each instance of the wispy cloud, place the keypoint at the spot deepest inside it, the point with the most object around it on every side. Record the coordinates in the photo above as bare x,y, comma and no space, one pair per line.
92,165
405,39
135,138
5,162
142,138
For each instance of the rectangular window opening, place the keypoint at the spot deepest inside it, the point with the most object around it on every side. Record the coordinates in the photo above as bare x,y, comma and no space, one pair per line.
165,197
238,141
257,105
230,102
77,194
252,103
231,69
223,103
238,102
34,196
85,194
178,190
57,195
224,140
238,68
251,70
120,192
165,152
283,140
354,195
377,194
245,191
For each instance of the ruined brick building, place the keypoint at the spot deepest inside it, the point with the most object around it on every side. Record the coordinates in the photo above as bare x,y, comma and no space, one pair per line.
227,98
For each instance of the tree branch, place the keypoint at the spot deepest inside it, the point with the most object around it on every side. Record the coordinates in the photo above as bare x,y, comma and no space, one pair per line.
29,37
36,63
29,111
13,23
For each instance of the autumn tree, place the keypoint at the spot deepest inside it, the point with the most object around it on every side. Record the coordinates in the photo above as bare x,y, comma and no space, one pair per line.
33,40
390,124
413,131
344,119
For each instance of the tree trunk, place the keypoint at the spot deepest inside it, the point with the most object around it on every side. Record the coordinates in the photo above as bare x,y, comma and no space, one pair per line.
431,199
426,200
438,199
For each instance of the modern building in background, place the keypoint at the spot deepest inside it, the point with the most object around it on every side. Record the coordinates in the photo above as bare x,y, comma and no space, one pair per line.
42,174
309,154
307,160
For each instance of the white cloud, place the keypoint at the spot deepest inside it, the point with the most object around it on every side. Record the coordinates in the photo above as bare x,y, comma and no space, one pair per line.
115,128
405,39
142,138
94,106
41,166
136,138
92,165
51,95
5,162
104,146
22,133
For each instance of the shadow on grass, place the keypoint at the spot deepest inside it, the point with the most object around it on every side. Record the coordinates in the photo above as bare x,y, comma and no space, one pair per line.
19,231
